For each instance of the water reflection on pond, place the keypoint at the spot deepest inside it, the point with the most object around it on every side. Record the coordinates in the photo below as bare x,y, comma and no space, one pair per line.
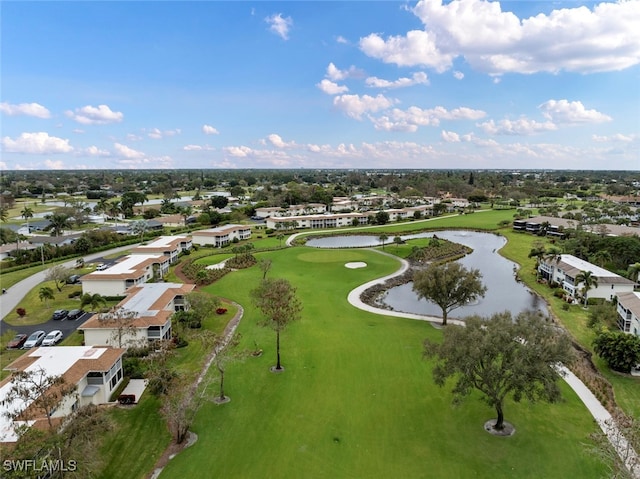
498,275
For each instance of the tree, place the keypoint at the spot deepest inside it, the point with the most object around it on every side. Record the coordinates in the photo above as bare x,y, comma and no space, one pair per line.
93,300
265,266
633,272
620,350
59,274
538,252
588,281
382,217
502,357
449,285
219,201
279,237
27,213
397,240
201,305
58,223
121,321
225,351
383,237
185,212
46,294
276,299
139,227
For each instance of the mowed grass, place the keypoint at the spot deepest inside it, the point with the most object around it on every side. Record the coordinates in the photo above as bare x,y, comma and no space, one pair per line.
357,399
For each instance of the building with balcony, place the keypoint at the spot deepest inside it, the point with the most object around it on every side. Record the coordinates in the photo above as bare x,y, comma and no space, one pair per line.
170,246
629,312
221,235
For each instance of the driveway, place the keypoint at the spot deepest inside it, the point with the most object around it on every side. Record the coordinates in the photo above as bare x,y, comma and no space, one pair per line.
66,326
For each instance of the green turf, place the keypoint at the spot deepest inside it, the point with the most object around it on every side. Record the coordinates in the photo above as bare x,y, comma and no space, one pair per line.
357,399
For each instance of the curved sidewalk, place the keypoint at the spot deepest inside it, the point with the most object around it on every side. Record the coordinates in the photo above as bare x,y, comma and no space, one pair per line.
604,419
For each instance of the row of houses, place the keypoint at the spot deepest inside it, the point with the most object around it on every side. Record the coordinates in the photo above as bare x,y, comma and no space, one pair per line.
566,271
552,226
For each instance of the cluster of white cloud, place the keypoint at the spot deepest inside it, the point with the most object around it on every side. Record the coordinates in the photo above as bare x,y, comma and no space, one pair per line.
36,143
27,109
419,78
157,134
209,130
605,38
91,115
574,112
279,25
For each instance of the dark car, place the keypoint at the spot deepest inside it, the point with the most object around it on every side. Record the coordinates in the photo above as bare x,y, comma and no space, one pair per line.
75,313
73,279
17,342
59,314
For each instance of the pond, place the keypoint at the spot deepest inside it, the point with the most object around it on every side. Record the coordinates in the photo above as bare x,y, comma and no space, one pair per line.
498,275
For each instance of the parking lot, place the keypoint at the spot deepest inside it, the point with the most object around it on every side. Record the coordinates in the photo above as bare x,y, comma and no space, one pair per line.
67,326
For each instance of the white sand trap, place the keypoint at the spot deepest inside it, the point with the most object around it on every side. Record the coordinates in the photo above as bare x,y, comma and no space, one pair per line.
355,264
218,265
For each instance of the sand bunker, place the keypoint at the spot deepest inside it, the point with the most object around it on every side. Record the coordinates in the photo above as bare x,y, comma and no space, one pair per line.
355,264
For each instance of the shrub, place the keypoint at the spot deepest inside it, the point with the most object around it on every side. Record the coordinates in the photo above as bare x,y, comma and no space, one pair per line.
221,310
133,368
21,312
74,294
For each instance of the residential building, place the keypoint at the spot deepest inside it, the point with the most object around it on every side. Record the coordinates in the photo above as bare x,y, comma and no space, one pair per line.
629,312
151,306
96,372
565,269
221,235
170,246
133,270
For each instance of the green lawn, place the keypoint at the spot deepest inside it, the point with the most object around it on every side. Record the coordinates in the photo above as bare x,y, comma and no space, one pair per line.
357,399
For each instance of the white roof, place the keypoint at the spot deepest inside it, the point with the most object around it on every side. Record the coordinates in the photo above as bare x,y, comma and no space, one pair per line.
129,264
54,361
163,241
583,265
142,301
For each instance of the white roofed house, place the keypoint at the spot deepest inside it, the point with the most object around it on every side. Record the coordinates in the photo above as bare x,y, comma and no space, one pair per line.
143,316
221,235
565,269
170,246
629,312
133,270
90,376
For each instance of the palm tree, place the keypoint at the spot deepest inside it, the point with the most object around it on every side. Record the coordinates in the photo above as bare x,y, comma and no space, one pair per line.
45,294
27,213
633,273
589,281
185,212
398,241
59,222
601,257
93,300
4,213
553,255
538,252
383,237
114,210
101,206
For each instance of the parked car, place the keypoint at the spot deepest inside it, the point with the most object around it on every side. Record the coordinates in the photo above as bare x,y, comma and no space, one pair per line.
59,314
75,313
35,339
73,279
102,267
18,341
53,338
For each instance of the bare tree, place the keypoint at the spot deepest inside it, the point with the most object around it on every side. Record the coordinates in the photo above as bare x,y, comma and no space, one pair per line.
121,321
59,274
265,266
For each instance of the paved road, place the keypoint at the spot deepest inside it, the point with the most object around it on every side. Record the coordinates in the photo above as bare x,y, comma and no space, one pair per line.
11,299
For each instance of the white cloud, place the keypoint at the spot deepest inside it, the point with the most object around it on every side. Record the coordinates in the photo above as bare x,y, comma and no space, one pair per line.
54,165
197,148
335,74
91,115
238,151
278,142
280,26
617,138
157,134
341,39
418,78
95,151
458,75
78,131
563,111
410,119
521,126
27,109
128,153
209,130
331,88
416,48
133,137
450,136
355,106
37,143
604,38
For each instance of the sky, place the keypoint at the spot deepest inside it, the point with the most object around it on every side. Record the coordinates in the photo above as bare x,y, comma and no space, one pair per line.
433,84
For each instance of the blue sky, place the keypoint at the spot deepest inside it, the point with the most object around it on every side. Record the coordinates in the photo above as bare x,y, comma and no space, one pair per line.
362,84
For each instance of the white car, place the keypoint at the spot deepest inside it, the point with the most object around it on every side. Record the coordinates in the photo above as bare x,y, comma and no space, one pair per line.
52,338
35,339
102,267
